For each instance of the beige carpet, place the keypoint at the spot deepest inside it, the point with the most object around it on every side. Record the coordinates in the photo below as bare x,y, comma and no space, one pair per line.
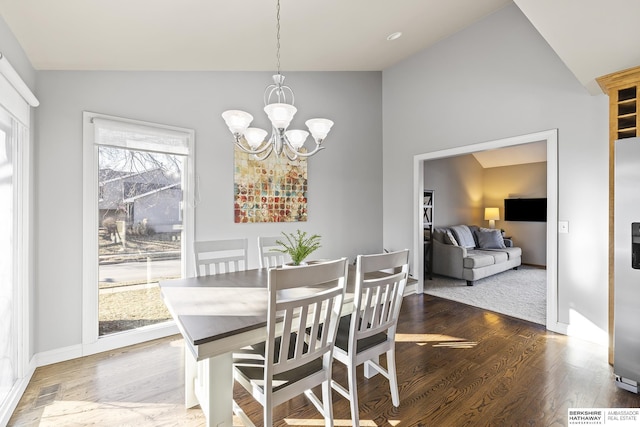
518,293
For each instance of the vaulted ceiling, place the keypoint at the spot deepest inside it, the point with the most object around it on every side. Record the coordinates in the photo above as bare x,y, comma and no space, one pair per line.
593,37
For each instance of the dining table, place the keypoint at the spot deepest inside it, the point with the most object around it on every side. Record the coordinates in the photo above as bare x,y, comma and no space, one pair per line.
217,315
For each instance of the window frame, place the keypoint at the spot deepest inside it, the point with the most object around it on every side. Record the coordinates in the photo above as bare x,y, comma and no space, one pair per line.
91,341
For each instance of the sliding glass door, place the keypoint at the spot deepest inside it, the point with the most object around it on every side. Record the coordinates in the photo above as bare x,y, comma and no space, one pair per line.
8,374
12,287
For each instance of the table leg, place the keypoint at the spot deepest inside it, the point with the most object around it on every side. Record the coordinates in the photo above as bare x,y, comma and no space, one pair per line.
368,370
213,388
190,374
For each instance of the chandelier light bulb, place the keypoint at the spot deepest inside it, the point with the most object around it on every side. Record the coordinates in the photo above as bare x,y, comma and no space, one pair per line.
280,114
237,121
319,128
255,137
297,137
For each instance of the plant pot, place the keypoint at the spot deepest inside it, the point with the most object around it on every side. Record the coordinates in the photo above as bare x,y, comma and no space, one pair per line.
291,265
318,261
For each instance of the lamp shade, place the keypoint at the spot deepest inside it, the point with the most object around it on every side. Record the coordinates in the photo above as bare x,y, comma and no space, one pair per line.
237,121
255,137
297,137
491,213
319,128
280,114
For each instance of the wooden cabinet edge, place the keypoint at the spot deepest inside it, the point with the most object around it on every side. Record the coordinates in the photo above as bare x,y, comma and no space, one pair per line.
619,79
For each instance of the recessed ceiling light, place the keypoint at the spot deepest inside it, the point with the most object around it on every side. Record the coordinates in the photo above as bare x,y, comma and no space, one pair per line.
394,36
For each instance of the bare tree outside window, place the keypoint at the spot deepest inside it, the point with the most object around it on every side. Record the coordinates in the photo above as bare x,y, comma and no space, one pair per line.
139,234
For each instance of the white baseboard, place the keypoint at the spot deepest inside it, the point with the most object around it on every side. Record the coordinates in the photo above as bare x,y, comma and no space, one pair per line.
411,289
557,327
589,333
58,355
72,352
13,398
106,343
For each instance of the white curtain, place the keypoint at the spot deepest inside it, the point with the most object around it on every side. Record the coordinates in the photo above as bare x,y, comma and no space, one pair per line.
136,136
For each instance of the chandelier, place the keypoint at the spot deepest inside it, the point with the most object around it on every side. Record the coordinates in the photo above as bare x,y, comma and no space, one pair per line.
278,101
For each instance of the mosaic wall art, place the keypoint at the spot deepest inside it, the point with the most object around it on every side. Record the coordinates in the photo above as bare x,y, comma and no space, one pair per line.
270,190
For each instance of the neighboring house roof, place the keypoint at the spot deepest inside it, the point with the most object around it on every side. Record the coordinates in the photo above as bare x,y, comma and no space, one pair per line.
157,190
117,185
106,176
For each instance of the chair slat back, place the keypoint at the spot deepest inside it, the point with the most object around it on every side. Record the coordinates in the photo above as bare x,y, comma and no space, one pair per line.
267,253
220,256
380,283
304,319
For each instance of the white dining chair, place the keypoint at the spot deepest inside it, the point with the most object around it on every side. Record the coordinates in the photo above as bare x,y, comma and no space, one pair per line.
220,256
371,329
267,253
301,329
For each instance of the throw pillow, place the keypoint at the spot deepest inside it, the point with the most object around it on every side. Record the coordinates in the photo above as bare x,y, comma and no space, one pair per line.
449,239
463,236
491,239
489,229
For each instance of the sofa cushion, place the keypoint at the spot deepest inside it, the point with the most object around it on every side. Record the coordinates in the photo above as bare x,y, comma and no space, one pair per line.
463,236
481,258
490,239
513,252
477,259
499,256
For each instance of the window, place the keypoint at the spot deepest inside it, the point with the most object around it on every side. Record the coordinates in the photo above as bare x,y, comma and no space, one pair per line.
137,186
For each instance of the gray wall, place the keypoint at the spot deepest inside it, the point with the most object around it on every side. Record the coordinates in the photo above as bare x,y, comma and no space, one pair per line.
493,80
345,201
458,186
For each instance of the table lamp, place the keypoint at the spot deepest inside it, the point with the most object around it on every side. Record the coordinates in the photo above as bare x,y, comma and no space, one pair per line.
491,214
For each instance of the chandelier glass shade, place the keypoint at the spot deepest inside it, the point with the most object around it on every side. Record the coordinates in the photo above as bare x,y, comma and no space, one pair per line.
278,105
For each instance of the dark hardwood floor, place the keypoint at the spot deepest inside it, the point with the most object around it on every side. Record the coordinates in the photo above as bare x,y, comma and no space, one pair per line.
457,366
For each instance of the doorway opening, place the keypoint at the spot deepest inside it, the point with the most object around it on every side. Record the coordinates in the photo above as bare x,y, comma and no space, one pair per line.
550,138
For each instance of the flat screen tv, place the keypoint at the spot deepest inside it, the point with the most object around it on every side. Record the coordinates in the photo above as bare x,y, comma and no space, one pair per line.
534,210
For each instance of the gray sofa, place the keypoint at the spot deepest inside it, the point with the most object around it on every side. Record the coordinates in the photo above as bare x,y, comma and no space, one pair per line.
472,253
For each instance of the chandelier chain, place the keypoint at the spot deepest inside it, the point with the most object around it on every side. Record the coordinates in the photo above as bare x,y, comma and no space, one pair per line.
278,35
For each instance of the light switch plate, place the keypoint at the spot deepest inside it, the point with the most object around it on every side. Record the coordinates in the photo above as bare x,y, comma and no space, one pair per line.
563,227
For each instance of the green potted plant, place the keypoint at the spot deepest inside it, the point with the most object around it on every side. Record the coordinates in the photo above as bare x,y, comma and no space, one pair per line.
298,245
